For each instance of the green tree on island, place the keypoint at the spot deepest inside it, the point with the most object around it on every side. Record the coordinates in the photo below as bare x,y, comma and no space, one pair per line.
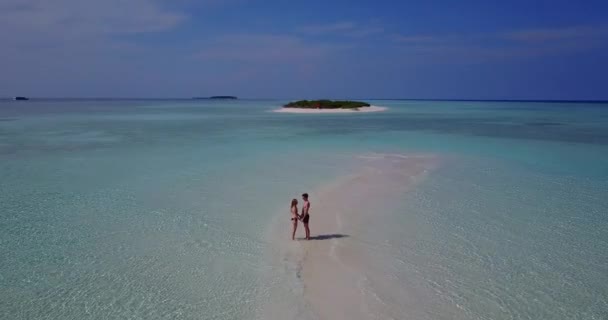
327,104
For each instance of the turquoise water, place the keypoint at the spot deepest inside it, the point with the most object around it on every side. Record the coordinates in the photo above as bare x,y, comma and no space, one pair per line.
161,209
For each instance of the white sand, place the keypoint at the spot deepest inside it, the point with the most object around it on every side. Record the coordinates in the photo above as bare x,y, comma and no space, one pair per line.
299,110
336,268
334,276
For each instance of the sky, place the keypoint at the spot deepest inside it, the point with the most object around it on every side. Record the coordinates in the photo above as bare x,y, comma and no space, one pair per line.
434,49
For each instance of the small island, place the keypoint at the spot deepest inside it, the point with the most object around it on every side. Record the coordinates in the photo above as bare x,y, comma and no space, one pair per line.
216,98
328,106
223,97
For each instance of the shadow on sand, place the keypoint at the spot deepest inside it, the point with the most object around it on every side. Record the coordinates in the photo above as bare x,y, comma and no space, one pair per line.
328,236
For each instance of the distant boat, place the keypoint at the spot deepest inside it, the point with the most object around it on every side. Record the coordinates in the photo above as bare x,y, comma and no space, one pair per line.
21,98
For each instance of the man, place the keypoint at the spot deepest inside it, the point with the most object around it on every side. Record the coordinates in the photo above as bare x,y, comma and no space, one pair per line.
305,216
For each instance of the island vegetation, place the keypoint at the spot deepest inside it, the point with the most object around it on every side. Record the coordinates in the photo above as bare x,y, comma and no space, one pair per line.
223,97
216,98
327,104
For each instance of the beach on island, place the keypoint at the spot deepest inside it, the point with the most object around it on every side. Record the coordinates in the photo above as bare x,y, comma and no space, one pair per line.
314,111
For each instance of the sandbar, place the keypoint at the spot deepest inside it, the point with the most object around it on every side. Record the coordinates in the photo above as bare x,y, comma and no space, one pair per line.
337,268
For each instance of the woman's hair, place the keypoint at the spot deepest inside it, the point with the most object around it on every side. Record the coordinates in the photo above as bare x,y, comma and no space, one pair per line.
293,202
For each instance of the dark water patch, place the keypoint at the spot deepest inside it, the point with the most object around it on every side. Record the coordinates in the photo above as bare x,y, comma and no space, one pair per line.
543,124
499,127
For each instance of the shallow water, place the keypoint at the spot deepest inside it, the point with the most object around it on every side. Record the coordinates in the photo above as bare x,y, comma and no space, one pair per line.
162,209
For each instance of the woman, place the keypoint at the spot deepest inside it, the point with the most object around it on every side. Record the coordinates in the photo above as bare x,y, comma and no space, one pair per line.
294,217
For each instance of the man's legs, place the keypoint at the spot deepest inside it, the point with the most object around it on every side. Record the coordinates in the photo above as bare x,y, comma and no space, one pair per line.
307,231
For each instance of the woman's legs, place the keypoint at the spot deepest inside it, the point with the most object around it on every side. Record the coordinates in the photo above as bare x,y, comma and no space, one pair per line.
295,226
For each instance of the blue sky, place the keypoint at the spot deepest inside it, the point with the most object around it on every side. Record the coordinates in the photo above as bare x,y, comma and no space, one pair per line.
304,49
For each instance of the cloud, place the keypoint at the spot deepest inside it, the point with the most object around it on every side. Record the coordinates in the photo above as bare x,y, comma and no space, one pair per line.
558,34
35,21
344,28
327,28
262,48
418,39
56,47
482,47
365,31
279,59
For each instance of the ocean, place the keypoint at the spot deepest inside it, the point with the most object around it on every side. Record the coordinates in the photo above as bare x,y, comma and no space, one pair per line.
179,209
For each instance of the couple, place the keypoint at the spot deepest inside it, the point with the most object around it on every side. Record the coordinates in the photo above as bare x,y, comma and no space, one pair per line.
304,216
